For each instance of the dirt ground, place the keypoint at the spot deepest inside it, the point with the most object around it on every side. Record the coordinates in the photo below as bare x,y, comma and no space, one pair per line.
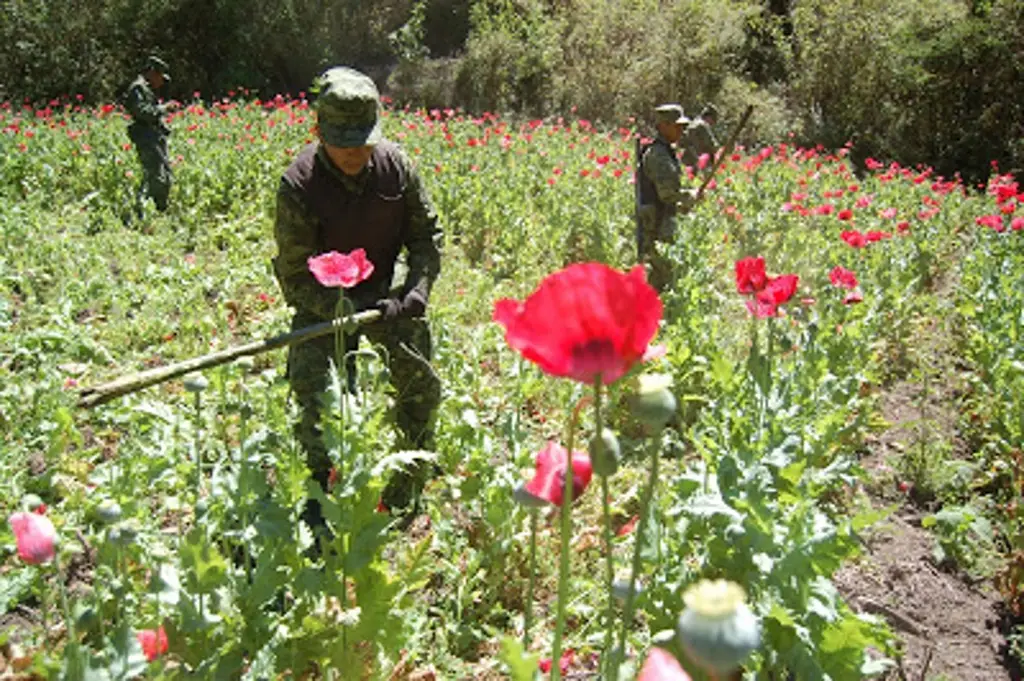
948,628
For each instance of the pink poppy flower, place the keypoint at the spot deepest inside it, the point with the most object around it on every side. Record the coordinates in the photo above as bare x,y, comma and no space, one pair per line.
549,475
35,537
335,269
662,665
840,276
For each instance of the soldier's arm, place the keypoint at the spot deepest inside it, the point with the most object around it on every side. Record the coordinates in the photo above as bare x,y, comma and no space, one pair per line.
663,175
143,106
423,235
295,235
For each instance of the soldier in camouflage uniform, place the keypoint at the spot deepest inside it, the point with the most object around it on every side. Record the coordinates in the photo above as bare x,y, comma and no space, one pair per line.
354,189
660,195
149,133
699,138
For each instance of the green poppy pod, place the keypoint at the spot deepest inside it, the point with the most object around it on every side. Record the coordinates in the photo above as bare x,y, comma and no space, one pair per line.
196,383
717,629
605,453
654,405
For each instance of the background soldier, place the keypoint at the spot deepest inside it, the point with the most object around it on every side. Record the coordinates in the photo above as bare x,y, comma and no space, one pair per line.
700,138
660,195
354,189
149,132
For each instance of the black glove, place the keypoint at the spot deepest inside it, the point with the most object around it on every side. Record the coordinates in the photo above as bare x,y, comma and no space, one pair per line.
412,305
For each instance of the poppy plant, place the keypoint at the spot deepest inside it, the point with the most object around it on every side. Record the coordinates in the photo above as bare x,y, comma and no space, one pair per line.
35,537
842,277
153,642
662,665
585,322
750,275
343,270
548,480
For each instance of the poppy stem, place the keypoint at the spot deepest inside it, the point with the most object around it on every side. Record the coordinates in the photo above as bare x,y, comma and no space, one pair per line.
609,638
566,536
641,531
198,445
528,616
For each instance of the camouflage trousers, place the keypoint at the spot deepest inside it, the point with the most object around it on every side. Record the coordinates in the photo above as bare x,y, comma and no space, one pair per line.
156,172
648,233
407,343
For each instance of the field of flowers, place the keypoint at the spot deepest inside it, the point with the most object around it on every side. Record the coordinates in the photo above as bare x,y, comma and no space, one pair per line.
728,450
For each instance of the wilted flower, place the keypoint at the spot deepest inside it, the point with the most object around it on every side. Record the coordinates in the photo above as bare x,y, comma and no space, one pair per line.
583,322
548,479
335,269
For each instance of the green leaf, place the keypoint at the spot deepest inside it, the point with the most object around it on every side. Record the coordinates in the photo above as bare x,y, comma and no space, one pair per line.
205,568
522,665
15,586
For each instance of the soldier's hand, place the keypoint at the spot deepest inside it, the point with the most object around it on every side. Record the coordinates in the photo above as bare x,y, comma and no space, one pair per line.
172,105
412,305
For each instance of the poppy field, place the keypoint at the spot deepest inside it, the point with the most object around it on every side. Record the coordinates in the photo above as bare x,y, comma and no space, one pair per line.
716,430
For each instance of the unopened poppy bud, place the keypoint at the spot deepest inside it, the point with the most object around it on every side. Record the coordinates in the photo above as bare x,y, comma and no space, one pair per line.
654,405
605,453
196,383
86,618
717,629
246,363
123,533
109,511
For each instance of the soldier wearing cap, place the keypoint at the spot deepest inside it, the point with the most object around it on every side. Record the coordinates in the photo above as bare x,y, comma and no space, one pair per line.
149,132
699,138
660,196
350,189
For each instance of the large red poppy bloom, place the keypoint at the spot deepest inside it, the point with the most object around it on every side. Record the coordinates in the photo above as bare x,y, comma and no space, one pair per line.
854,238
750,275
779,289
584,322
335,269
153,642
549,476
662,665
842,277
35,537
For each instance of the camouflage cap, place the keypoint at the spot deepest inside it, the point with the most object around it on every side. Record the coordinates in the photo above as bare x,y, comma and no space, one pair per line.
348,108
154,63
670,113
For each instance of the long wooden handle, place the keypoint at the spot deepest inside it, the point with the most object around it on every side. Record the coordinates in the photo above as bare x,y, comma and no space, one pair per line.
101,394
726,148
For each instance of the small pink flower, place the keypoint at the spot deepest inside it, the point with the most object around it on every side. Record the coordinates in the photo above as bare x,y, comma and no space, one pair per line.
889,213
35,536
661,665
1017,224
153,642
853,297
335,269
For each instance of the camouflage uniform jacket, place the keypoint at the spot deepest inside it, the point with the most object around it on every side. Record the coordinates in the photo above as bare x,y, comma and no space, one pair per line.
660,189
698,139
382,209
145,110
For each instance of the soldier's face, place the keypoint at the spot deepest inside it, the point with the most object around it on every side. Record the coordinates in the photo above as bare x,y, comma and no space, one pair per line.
156,80
671,131
349,160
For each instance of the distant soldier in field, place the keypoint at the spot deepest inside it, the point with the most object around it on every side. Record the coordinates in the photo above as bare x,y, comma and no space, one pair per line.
149,132
659,192
699,138
352,189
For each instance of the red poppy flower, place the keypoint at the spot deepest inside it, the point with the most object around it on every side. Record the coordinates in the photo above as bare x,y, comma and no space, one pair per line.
335,269
153,642
854,238
584,322
549,476
876,235
35,537
840,276
563,663
662,665
750,275
845,214
993,221
1017,224
779,289
1005,192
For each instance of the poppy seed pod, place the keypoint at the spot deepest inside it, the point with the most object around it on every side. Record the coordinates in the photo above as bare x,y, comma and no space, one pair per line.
605,453
196,383
109,511
654,405
717,629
